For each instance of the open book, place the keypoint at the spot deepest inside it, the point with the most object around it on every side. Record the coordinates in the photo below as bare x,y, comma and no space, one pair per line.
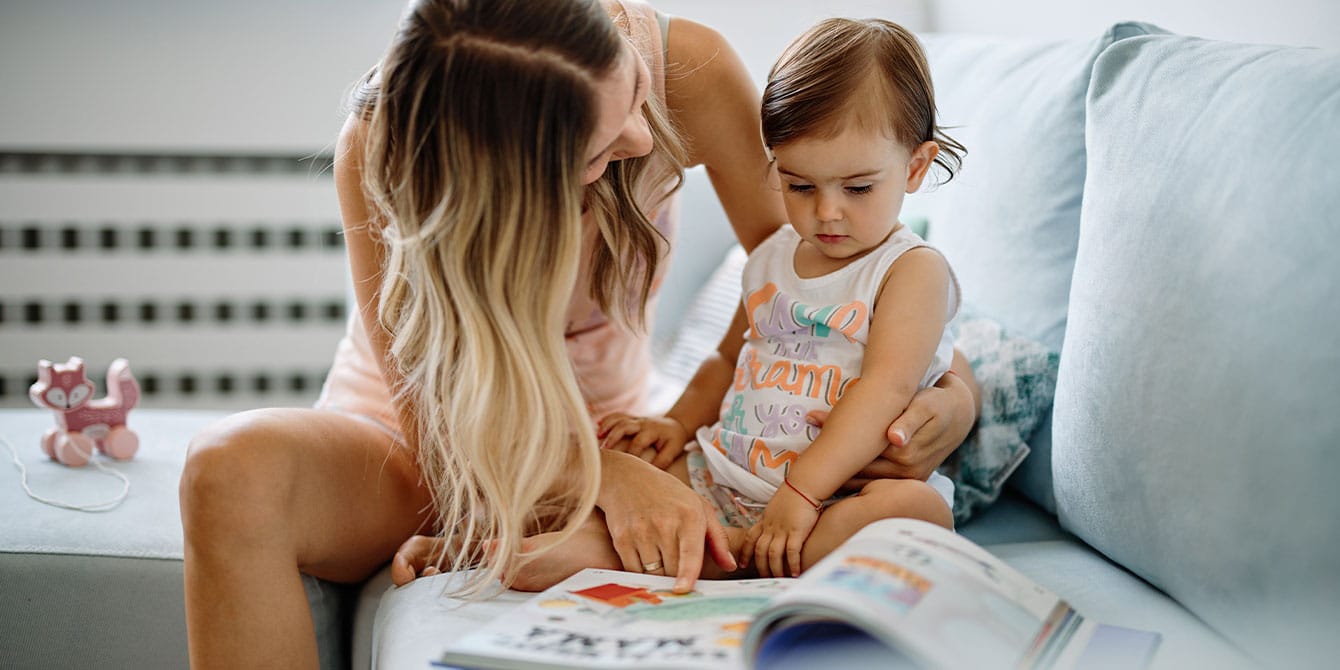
899,593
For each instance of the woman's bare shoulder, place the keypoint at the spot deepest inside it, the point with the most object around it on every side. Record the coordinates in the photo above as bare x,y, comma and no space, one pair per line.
693,47
348,169
349,145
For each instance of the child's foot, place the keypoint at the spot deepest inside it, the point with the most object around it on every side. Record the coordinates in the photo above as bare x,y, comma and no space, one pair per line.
735,540
590,547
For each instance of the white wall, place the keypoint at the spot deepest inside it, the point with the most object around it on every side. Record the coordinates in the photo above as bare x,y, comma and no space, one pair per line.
760,29
225,76
1297,22
269,75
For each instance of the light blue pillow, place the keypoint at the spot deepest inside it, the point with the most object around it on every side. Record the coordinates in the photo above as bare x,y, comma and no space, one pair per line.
1008,223
1197,419
1017,377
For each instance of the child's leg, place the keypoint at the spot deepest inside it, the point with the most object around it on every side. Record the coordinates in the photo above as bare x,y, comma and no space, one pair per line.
880,499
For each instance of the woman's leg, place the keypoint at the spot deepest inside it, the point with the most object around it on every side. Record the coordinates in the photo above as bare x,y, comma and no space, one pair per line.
268,494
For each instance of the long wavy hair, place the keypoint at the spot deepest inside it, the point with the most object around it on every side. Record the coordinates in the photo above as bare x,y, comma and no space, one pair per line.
818,79
478,120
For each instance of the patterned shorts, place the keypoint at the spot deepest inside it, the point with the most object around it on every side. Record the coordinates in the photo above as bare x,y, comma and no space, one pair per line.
738,511
733,510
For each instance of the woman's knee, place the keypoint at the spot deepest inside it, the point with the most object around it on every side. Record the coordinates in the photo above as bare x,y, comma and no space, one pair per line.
235,476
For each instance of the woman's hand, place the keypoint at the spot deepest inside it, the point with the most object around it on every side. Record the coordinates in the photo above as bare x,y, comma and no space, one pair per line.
934,424
665,437
416,557
658,524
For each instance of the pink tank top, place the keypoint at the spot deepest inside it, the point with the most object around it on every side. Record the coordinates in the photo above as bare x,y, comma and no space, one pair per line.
611,363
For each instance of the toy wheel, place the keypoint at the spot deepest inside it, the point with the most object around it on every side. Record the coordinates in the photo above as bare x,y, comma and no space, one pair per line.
120,443
49,442
73,449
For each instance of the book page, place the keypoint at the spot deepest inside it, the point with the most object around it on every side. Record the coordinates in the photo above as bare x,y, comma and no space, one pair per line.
930,593
611,619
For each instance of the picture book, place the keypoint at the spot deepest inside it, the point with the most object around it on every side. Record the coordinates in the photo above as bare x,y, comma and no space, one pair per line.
900,592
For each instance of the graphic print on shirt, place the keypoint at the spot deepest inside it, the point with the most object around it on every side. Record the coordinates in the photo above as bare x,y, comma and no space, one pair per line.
795,329
779,378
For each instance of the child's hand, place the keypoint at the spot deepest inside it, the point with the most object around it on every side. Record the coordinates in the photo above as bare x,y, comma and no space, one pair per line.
635,434
775,542
417,557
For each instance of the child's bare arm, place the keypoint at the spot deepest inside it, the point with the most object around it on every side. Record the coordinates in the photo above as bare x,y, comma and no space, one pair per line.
907,322
699,405
905,330
665,436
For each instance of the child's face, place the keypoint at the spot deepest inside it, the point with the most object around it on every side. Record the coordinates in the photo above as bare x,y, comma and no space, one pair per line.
843,194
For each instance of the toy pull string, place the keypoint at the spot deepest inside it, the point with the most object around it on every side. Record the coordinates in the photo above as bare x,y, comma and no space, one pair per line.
105,506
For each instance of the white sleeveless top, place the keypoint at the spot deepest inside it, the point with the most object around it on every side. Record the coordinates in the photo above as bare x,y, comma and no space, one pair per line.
803,347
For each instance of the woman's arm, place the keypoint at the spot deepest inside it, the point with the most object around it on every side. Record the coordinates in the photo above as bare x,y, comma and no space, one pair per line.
716,106
652,516
366,256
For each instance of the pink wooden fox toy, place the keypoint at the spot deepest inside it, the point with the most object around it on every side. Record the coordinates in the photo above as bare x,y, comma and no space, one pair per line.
83,424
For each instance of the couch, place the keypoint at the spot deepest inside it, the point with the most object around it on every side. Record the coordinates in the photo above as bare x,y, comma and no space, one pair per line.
1157,208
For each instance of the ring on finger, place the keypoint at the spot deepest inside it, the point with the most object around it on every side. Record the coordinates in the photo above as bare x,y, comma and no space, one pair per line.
652,566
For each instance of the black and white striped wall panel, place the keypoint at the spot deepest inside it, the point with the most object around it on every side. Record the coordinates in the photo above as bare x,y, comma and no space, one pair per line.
221,278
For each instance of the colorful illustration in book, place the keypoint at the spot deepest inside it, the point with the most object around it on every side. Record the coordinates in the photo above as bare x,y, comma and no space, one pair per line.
882,580
644,604
618,595
557,604
609,622
732,634
701,607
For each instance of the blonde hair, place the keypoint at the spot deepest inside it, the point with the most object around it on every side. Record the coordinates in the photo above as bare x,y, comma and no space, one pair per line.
818,80
478,122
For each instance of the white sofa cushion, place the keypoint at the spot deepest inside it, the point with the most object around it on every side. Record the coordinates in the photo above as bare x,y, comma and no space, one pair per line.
1195,417
105,588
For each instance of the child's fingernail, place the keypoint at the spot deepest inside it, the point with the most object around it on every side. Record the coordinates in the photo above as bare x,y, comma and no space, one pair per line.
811,420
900,435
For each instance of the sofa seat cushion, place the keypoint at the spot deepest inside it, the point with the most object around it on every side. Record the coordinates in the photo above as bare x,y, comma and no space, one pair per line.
65,574
1109,594
141,527
1195,416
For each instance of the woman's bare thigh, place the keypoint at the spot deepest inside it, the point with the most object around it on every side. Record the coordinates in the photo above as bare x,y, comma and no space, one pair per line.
339,492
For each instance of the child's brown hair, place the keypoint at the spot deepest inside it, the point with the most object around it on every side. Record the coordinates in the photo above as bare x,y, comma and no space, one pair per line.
818,77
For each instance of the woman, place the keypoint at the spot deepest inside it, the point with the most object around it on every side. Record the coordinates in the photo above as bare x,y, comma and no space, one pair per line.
503,180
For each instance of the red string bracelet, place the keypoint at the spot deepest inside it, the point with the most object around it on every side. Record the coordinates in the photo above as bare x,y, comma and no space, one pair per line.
818,506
